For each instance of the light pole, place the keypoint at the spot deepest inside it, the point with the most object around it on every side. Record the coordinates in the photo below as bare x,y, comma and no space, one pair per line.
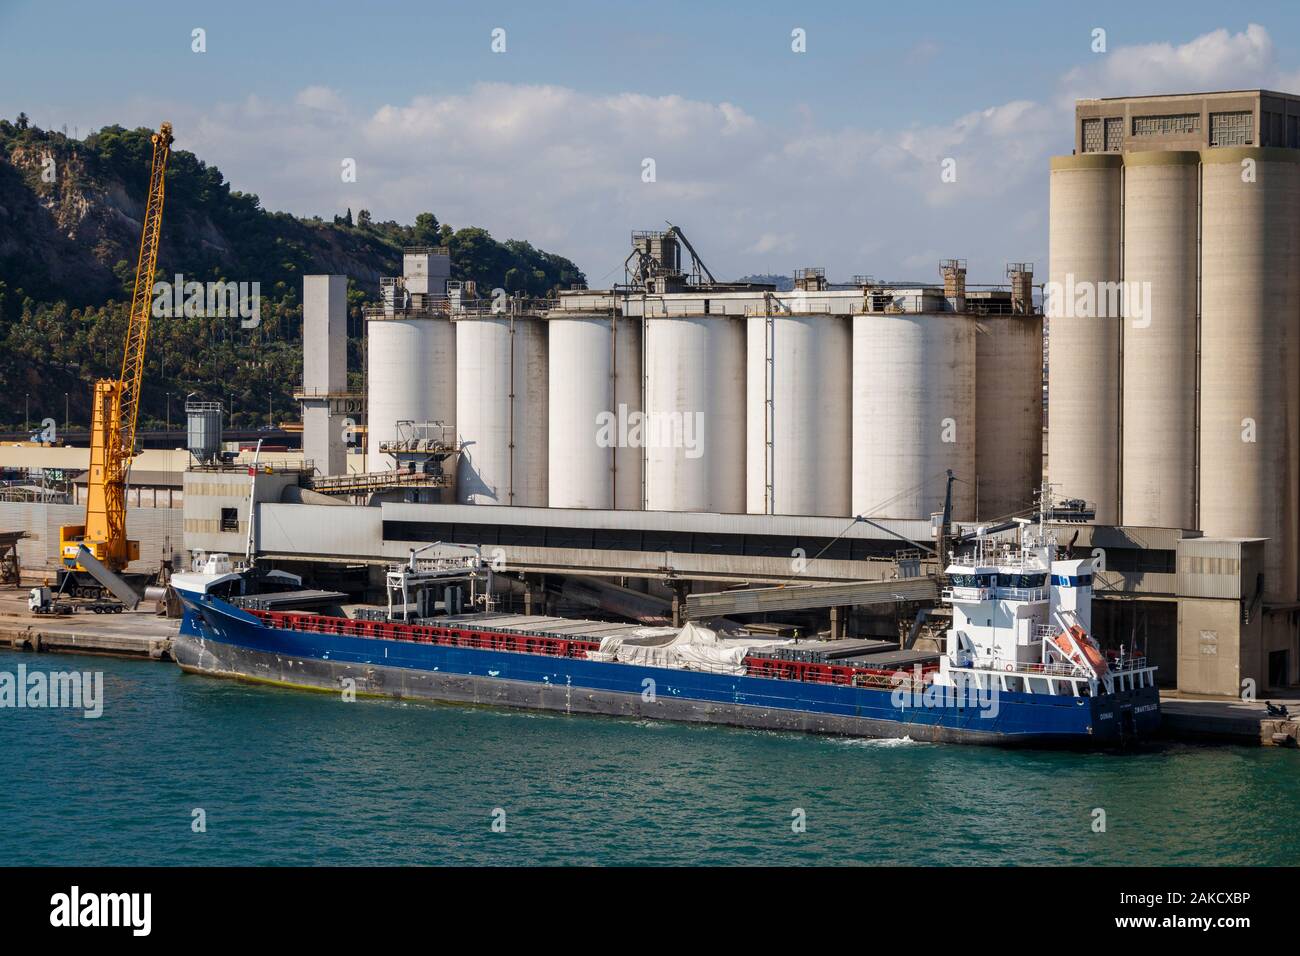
169,413
65,413
27,412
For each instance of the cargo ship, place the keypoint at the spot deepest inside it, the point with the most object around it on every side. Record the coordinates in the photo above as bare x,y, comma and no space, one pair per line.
1019,666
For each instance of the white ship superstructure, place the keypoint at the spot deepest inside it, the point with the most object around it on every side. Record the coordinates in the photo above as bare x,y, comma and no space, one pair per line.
1022,623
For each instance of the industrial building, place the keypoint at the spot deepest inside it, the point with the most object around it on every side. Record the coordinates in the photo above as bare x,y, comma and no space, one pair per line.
675,392
1173,369
1174,344
677,446
749,427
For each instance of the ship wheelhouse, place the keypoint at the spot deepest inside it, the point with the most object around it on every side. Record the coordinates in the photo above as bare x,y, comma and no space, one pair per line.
1022,623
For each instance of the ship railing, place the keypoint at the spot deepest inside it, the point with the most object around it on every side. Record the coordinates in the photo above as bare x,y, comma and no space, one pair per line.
476,638
993,593
1117,665
810,672
1045,632
999,666
1023,594
484,637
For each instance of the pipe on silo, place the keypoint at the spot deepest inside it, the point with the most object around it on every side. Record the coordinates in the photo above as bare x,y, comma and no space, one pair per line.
1161,207
1250,353
1083,350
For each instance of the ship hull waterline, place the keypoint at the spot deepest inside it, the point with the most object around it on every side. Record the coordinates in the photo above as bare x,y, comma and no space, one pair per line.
219,640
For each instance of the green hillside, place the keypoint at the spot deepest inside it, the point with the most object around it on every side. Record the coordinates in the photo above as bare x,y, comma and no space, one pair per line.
67,258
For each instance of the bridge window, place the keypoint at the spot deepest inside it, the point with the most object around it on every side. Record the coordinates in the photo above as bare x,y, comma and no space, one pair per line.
1070,581
1021,580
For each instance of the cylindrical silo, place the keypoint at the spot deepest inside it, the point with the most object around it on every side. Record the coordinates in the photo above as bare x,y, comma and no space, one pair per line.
1008,414
1158,462
410,376
1250,353
913,414
501,413
1082,306
694,429
595,401
799,414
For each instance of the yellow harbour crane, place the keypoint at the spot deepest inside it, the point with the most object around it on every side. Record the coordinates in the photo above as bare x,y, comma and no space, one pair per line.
116,405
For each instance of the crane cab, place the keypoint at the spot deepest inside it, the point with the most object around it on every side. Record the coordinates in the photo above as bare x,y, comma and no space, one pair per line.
73,536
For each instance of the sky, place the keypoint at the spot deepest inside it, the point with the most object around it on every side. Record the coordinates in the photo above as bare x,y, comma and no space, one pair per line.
769,158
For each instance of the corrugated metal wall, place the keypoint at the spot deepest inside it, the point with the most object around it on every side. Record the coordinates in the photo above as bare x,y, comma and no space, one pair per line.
159,531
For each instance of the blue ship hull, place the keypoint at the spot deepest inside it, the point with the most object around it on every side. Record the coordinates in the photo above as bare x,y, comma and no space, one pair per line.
219,639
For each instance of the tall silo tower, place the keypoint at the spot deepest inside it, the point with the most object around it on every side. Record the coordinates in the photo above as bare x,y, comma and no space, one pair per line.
1250,356
1083,366
1158,449
1208,218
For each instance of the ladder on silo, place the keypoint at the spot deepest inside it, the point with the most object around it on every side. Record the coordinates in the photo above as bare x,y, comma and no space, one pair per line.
769,423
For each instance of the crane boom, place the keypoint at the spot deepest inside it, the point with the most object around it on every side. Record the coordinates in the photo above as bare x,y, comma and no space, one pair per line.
142,297
115,406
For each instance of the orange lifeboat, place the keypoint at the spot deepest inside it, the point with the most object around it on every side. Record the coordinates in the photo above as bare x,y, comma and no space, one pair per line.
1078,648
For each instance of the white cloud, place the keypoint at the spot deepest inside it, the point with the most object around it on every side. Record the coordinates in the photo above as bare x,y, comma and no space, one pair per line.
1219,60
562,168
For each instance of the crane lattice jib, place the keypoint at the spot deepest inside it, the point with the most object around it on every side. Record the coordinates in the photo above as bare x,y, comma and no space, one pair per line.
142,297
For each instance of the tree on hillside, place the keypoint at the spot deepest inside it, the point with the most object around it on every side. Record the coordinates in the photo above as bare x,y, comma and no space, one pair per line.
425,232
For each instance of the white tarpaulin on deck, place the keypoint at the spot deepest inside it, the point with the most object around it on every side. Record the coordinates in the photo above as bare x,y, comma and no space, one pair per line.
692,648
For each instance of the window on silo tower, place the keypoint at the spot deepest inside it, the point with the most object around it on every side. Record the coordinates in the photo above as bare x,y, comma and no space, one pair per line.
1092,136
1114,134
1232,129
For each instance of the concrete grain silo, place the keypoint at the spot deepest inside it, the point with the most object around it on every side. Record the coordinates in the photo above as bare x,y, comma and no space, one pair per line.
410,375
1250,353
913,413
695,407
501,409
799,414
595,401
1082,307
1161,208
1008,413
